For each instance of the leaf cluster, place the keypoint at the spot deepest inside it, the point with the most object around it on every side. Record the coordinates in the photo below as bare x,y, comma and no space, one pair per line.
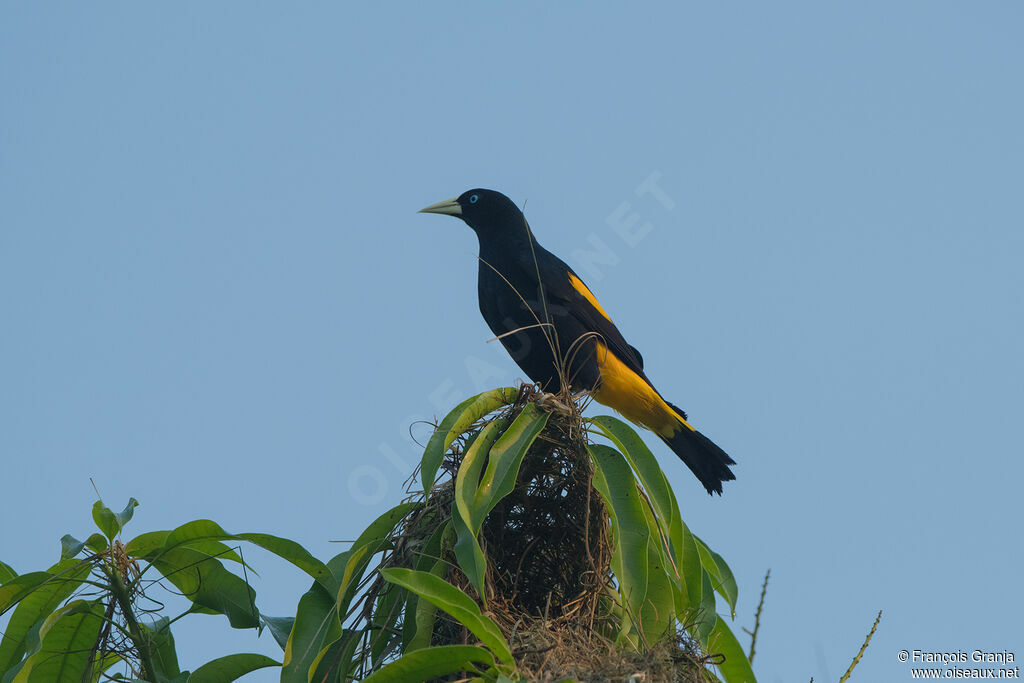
458,570
541,544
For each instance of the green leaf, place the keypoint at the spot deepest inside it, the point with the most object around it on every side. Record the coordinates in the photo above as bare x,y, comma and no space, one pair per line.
145,544
457,422
476,495
316,621
110,522
104,519
194,534
67,637
280,628
454,602
384,635
70,546
18,587
721,576
417,631
687,589
614,480
32,644
467,549
505,458
125,515
657,615
109,659
355,564
424,612
6,573
38,594
434,662
205,581
97,543
467,480
651,476
350,566
334,661
728,587
424,617
230,668
382,527
198,530
221,551
346,569
192,547
685,556
736,667
684,569
289,551
706,615
161,646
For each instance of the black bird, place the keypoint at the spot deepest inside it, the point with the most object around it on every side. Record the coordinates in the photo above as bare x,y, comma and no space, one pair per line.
555,329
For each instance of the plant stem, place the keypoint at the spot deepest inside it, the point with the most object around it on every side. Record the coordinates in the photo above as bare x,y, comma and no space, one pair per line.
139,639
863,647
757,616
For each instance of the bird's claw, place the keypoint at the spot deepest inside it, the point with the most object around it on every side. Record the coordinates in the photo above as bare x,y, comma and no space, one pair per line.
552,404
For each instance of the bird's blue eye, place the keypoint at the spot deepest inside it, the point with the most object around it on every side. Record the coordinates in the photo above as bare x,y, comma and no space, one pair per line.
473,199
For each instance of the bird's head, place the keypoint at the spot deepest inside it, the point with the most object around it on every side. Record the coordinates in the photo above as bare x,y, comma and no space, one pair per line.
488,212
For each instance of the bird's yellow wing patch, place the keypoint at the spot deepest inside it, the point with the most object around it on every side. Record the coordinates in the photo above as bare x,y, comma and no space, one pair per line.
632,396
578,285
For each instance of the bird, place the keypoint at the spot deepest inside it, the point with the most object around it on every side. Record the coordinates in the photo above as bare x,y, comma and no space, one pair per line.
558,333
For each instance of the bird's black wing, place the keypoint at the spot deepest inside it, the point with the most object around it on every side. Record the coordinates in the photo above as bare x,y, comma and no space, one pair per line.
511,304
639,358
566,291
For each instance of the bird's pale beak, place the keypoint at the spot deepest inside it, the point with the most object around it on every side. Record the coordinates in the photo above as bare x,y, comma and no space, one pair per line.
448,207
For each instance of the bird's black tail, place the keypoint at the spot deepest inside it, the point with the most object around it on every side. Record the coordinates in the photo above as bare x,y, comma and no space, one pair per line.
705,459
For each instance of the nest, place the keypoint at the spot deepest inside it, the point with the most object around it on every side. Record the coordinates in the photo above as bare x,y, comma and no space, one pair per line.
549,580
556,651
547,541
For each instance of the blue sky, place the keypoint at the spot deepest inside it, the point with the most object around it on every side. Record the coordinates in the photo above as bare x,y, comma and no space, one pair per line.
218,298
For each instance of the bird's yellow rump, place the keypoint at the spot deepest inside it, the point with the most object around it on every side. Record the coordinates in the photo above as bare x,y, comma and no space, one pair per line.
634,397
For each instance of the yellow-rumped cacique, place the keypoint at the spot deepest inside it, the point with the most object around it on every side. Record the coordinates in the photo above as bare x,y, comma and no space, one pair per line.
553,327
